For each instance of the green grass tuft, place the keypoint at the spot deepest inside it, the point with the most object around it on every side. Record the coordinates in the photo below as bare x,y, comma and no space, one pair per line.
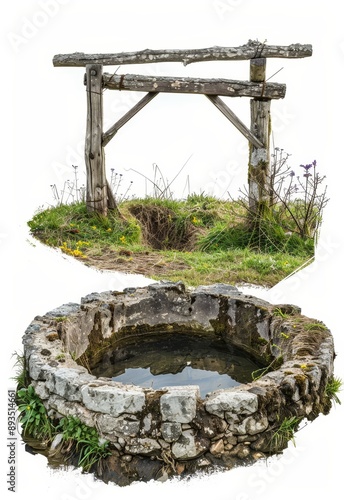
334,385
285,433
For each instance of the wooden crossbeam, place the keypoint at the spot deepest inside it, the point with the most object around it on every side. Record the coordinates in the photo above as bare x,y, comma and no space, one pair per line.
209,86
107,136
250,50
234,120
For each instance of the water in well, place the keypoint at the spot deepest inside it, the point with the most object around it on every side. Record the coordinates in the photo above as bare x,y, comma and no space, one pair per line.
177,360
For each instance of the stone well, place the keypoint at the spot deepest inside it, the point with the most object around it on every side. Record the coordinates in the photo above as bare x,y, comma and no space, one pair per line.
160,433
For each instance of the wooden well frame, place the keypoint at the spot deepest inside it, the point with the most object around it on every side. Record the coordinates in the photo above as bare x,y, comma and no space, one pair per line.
99,197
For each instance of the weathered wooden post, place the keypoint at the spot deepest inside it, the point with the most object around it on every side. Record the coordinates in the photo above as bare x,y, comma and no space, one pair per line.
259,157
96,184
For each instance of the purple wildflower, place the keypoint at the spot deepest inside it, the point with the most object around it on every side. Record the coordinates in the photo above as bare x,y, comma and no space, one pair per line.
292,173
307,167
307,174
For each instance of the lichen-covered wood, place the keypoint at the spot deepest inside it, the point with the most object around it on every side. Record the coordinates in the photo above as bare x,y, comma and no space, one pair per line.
250,50
259,156
211,86
96,184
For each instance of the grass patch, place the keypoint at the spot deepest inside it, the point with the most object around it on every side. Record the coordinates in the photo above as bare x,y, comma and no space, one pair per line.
33,415
285,433
71,226
78,439
199,240
236,266
334,385
82,440
20,377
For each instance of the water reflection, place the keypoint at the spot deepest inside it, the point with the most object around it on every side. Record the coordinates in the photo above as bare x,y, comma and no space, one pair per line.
177,359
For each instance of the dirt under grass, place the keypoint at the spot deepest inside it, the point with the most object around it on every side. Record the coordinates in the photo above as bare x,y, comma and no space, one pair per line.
167,241
193,268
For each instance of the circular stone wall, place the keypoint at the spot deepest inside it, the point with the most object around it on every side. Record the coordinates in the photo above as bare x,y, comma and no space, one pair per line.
161,433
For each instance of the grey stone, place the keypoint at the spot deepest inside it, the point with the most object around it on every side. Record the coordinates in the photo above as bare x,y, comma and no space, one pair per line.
188,446
315,374
164,445
231,402
121,442
179,403
64,310
171,431
241,451
33,328
70,408
67,382
147,422
167,286
97,297
263,328
113,400
204,309
250,425
38,369
40,389
256,426
142,446
56,441
218,289
289,387
124,425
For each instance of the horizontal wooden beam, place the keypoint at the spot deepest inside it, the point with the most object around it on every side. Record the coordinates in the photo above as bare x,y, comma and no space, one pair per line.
232,117
215,86
109,134
250,50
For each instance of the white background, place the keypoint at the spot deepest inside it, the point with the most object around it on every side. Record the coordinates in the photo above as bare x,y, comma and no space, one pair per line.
43,126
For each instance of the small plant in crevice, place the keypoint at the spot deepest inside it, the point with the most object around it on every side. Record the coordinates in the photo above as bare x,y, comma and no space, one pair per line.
333,386
20,376
285,433
82,440
274,365
33,415
314,326
278,312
